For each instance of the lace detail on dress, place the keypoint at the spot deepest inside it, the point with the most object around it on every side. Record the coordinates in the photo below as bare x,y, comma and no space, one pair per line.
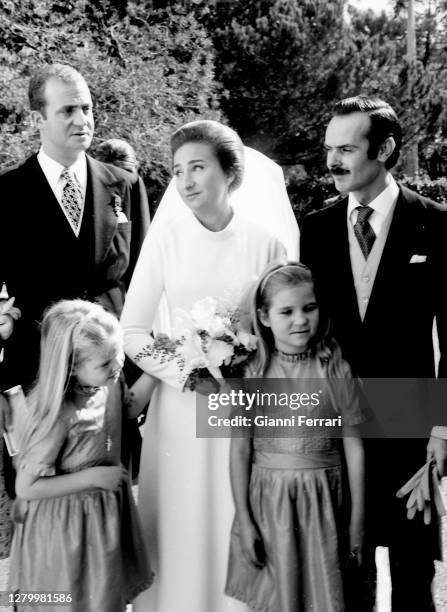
163,350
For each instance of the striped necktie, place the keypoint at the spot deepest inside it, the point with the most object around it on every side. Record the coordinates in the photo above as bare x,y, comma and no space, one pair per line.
363,230
71,199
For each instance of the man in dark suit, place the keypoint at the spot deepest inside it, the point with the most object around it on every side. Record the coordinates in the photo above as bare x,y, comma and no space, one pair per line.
379,258
70,227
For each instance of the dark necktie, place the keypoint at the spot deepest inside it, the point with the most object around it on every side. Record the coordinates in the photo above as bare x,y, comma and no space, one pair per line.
72,199
363,230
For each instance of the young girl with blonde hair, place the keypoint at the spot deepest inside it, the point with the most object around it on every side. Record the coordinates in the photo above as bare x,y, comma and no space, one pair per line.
290,539
77,527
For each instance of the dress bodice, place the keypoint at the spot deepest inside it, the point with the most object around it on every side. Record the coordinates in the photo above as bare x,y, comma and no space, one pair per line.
335,399
185,263
87,434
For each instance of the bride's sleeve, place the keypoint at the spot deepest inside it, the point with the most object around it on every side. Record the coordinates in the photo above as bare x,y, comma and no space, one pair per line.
139,312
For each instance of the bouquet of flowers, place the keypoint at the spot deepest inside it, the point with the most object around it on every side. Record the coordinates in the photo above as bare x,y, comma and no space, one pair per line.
206,341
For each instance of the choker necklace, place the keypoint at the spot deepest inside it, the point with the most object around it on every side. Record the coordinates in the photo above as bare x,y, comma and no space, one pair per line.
85,389
293,357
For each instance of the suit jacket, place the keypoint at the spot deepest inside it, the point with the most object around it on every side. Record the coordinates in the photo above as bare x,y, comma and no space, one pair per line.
395,338
42,261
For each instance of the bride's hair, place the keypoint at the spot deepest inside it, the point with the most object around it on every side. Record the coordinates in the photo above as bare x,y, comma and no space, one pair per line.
226,144
277,276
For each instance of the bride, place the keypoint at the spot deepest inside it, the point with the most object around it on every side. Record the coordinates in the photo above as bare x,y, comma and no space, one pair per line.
185,500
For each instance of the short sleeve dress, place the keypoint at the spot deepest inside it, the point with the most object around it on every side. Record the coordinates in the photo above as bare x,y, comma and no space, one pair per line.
297,501
88,544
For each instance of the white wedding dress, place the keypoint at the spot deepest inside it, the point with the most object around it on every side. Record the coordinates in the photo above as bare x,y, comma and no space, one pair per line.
185,499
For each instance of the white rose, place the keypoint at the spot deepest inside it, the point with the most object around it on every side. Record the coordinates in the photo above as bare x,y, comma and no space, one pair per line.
192,352
217,352
203,311
183,324
217,327
249,341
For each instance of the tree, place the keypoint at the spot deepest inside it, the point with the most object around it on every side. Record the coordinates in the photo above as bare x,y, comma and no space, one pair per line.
383,70
278,60
149,71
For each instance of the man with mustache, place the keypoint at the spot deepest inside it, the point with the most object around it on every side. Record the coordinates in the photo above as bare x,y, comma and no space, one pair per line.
379,257
69,225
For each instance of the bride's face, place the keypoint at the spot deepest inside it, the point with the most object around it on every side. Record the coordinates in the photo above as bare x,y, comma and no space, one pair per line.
200,179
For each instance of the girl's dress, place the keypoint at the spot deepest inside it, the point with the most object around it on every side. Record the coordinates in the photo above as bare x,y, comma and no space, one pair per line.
296,497
184,495
87,544
5,509
5,524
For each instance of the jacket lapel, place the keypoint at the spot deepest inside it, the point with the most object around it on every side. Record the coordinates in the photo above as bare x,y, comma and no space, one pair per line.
42,199
340,259
406,236
104,192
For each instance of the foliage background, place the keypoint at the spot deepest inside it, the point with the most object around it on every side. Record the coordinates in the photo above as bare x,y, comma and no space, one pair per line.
270,68
148,71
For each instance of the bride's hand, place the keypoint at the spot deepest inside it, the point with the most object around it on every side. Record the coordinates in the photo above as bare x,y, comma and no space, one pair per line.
224,386
202,381
206,386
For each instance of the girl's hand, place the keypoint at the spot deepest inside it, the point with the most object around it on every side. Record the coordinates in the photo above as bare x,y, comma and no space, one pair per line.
356,540
139,395
252,546
108,477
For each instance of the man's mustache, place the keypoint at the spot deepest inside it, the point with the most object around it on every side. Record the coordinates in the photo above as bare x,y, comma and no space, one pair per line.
338,171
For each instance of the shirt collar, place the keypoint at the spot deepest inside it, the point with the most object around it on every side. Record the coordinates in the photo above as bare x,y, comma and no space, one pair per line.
383,203
52,169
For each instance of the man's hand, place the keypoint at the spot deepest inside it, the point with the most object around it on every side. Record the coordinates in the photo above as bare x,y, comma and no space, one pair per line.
437,450
8,314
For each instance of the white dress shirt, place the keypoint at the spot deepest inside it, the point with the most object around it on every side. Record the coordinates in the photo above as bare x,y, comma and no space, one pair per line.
382,206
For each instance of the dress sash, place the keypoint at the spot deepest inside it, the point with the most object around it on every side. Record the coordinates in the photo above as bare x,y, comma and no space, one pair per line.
285,461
